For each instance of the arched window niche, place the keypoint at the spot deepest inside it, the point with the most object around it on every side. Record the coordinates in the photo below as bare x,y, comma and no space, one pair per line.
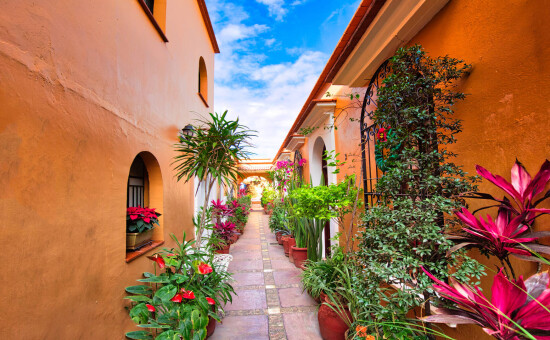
144,188
203,82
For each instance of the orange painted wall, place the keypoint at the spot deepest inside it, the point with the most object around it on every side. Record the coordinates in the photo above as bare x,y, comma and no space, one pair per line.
505,115
86,86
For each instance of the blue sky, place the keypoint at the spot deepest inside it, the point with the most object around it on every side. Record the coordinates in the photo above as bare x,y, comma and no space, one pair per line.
272,52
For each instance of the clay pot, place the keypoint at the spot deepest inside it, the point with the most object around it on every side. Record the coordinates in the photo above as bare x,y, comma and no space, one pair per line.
284,239
233,238
280,240
278,236
290,254
331,325
211,327
223,250
288,242
300,255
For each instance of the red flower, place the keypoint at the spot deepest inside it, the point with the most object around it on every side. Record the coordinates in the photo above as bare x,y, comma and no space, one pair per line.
210,301
159,260
187,294
204,268
177,298
171,254
150,308
382,134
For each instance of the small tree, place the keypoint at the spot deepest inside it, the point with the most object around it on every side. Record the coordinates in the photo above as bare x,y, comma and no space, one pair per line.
212,155
419,187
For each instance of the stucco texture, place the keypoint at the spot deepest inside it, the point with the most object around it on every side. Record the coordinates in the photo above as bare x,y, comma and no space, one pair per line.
85,87
505,115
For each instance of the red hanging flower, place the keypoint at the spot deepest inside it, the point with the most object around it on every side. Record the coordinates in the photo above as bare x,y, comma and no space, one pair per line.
177,298
204,268
210,301
150,308
187,294
159,260
382,134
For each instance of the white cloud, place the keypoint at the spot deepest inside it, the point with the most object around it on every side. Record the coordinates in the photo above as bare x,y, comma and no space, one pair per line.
266,97
275,8
271,107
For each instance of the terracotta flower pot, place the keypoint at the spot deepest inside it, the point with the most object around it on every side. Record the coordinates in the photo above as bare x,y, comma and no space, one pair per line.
211,327
331,325
300,255
284,240
280,240
278,236
290,254
290,241
234,237
223,250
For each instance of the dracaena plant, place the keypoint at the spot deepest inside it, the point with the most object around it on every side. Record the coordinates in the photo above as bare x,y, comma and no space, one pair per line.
177,300
518,309
212,155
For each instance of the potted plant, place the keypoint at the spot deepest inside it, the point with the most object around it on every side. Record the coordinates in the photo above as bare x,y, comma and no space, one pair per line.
218,244
184,294
140,223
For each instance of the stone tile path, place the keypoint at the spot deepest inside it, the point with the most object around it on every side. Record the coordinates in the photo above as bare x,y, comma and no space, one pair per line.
269,302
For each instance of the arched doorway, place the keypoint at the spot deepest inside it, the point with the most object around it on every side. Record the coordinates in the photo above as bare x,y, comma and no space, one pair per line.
320,176
255,185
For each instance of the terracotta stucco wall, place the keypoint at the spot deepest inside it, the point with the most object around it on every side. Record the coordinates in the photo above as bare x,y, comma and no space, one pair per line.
506,114
85,87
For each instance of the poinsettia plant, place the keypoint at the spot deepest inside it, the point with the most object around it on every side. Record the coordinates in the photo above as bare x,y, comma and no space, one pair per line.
140,219
177,301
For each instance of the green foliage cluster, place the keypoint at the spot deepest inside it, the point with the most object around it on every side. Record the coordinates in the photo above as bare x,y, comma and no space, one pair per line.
406,228
173,318
268,196
278,220
241,210
325,202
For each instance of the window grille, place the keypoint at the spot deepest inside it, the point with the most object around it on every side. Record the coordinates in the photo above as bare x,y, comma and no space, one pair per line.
369,170
136,183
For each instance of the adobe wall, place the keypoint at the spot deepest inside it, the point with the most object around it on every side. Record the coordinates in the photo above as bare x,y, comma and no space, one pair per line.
85,87
505,115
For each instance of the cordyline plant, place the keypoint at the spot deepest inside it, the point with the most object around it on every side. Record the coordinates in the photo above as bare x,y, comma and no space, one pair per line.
419,189
511,232
517,309
211,155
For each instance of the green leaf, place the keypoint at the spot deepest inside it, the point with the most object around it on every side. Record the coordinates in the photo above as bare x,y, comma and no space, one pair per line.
138,298
156,279
168,335
139,335
142,290
166,293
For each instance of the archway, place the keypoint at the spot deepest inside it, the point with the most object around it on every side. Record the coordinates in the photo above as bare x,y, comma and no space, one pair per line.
255,185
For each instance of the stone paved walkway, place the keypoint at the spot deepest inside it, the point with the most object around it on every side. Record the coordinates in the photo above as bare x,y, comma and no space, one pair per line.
270,303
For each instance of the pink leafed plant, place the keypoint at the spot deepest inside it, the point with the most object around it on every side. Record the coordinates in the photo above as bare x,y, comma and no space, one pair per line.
516,307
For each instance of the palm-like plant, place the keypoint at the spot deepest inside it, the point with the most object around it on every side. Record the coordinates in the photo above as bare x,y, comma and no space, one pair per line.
212,155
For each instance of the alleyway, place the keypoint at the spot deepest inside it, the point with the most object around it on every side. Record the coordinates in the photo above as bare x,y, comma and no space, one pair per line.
270,303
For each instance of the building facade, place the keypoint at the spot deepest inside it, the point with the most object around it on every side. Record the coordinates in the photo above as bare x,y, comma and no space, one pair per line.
93,97
505,114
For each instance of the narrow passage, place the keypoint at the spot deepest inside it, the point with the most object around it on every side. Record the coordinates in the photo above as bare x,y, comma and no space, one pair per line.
270,303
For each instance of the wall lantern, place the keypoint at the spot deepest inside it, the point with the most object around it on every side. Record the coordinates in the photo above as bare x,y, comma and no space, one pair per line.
188,131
